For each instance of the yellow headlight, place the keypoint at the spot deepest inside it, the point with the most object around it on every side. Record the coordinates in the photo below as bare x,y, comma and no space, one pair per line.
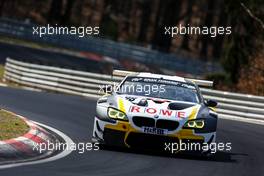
199,123
116,114
195,124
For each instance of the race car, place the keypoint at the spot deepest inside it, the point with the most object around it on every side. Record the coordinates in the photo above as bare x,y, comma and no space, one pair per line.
149,111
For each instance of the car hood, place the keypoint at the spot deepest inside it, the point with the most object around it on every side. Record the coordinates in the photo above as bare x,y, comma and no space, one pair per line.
156,108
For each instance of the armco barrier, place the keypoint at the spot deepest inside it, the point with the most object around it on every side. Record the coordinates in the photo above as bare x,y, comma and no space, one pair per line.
109,48
88,84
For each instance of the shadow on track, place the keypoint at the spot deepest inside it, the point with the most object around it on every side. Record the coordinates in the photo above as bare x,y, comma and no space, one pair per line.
219,156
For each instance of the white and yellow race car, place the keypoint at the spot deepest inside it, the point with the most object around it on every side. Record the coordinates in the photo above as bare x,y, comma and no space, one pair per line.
149,111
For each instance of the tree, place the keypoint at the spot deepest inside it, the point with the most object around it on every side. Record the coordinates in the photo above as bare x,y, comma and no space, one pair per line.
207,23
185,41
65,19
2,4
252,76
245,37
146,8
222,21
54,15
168,15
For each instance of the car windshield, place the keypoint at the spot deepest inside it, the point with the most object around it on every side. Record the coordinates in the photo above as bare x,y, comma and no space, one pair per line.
159,88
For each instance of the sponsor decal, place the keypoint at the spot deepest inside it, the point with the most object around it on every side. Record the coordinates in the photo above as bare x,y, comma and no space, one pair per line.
153,130
154,111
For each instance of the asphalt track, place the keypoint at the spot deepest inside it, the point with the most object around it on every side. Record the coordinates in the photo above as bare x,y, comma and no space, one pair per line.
74,116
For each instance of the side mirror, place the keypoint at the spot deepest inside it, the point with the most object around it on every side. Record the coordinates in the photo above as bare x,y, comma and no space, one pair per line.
210,103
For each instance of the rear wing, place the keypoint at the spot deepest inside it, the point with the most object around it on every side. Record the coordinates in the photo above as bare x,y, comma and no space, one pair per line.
199,82
123,73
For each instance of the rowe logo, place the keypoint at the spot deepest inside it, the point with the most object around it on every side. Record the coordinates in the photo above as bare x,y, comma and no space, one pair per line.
154,111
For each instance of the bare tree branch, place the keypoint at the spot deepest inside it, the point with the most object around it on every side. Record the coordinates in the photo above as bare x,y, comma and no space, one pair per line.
252,15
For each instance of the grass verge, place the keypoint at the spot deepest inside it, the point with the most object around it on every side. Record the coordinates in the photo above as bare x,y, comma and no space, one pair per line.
2,70
8,83
11,126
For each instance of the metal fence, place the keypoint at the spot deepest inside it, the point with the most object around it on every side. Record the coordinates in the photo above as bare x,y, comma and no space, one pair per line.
88,84
110,48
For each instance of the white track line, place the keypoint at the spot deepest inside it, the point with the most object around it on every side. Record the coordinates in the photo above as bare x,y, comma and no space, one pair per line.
53,158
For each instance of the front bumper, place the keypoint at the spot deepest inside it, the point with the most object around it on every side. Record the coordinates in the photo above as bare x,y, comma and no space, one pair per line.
122,134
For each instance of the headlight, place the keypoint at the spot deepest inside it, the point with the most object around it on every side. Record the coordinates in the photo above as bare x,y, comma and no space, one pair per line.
194,124
116,114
